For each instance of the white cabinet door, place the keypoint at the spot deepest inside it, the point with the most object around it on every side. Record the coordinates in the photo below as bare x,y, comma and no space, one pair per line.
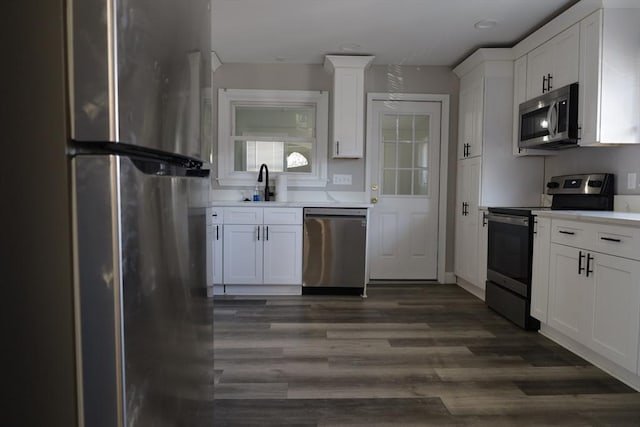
216,254
590,74
540,269
566,58
614,292
483,243
282,254
348,104
348,114
555,63
568,312
538,69
471,116
466,263
242,254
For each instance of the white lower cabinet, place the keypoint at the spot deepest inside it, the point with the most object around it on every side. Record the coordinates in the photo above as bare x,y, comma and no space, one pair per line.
266,253
214,251
593,297
614,295
540,269
568,312
242,255
282,259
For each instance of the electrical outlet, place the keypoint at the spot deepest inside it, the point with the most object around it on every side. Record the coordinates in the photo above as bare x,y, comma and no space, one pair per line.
340,179
632,178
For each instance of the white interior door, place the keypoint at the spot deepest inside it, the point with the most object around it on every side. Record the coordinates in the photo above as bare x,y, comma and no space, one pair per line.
405,159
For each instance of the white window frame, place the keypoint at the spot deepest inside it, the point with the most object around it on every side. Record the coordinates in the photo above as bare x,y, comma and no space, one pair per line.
227,176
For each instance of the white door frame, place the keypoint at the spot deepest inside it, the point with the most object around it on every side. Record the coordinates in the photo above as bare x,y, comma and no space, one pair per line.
444,160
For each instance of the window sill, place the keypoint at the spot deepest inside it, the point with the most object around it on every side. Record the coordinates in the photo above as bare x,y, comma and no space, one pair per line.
292,182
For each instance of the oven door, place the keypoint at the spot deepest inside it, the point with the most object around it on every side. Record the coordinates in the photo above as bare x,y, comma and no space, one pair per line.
509,252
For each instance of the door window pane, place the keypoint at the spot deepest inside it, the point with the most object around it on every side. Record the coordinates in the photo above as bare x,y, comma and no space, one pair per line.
421,128
389,182
389,154
421,182
404,182
405,155
389,127
421,155
405,128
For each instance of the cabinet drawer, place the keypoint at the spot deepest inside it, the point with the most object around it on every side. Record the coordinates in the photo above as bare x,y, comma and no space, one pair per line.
215,215
242,215
284,216
569,233
617,241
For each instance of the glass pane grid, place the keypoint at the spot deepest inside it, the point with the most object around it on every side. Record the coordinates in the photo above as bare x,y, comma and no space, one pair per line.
404,163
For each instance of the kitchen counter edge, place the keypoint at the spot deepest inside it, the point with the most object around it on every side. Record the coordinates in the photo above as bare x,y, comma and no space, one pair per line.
604,217
291,204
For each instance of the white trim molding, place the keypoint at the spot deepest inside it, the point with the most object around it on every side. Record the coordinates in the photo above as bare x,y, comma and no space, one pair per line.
320,99
444,100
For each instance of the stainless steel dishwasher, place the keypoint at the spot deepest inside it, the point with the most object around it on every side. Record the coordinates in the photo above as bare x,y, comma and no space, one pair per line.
335,246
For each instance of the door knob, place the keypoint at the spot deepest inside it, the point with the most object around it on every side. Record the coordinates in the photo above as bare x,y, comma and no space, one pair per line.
374,200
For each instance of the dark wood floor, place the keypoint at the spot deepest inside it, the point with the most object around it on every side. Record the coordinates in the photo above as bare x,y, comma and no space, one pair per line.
405,356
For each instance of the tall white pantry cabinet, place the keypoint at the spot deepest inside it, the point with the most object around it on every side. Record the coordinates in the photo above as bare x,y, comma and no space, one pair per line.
488,174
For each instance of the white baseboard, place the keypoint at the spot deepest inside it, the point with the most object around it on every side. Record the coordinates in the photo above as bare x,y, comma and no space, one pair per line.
263,290
471,288
627,377
449,277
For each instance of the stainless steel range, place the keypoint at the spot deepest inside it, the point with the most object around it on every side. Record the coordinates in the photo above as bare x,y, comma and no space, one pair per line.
510,245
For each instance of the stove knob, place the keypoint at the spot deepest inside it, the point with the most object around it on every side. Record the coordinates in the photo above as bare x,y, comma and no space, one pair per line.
552,184
593,183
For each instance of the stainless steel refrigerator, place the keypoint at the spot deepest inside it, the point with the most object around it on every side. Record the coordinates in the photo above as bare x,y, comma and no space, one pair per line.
137,71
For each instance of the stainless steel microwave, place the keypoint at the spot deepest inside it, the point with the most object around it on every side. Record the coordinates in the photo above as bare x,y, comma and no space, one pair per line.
551,120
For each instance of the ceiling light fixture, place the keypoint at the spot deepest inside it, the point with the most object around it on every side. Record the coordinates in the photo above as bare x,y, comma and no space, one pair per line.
485,24
350,47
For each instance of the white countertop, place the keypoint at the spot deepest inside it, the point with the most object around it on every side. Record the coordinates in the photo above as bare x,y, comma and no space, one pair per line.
604,217
223,203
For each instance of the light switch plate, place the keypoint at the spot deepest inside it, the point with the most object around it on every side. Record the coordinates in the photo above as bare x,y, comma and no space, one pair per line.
340,179
632,178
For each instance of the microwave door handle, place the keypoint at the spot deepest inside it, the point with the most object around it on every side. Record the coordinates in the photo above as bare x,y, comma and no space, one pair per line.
552,122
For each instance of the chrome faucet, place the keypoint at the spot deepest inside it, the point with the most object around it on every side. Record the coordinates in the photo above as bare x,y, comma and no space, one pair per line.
266,181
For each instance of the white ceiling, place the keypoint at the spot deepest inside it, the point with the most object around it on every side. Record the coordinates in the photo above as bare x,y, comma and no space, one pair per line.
411,32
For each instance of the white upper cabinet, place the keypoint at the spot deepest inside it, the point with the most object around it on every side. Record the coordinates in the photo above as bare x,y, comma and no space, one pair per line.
470,115
554,64
609,98
348,104
596,47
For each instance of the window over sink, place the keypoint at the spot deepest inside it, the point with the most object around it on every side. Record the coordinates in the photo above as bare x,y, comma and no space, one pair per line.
285,129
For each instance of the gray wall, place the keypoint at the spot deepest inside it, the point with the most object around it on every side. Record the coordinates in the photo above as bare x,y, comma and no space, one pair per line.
618,160
380,78
37,307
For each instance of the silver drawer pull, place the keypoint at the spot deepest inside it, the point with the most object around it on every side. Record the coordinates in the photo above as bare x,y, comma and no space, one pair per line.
566,232
610,239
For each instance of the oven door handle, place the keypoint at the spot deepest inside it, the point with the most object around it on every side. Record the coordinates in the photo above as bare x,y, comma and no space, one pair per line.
508,219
